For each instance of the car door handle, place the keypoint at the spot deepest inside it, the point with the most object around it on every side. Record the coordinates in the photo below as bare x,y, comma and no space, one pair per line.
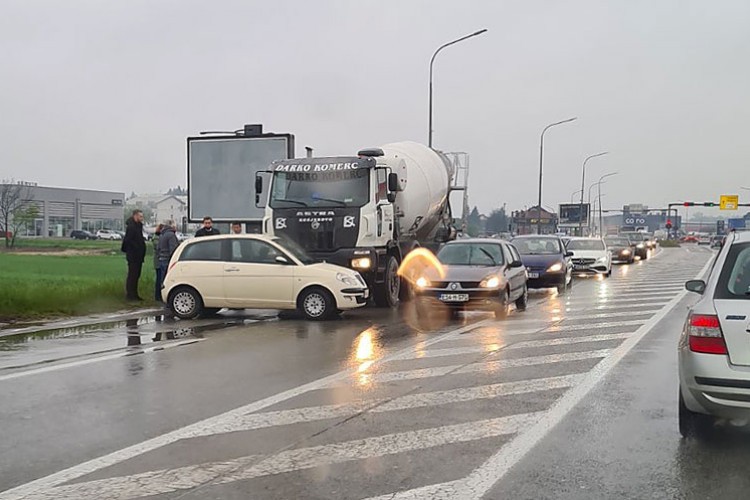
232,269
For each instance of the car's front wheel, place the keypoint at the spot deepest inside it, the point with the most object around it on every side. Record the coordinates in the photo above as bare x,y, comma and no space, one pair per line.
523,300
563,285
692,424
501,310
316,304
185,302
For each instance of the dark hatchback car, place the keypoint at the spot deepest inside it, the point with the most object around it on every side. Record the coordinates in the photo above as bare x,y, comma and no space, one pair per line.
478,274
620,249
547,261
82,235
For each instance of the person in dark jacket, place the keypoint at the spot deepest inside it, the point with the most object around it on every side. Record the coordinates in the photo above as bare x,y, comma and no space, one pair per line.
134,247
168,243
157,268
208,228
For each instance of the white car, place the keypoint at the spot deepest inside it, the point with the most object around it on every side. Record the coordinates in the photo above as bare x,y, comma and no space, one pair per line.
590,256
252,271
107,234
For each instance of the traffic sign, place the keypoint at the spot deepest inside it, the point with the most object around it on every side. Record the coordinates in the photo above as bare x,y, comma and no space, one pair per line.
729,202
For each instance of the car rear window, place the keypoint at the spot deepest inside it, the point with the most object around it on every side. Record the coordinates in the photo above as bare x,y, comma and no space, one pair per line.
205,250
734,280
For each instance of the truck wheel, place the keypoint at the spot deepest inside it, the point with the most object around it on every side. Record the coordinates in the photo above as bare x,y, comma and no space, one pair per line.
185,302
316,304
386,294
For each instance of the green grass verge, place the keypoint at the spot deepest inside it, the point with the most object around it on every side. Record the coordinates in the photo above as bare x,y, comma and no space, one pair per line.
35,286
64,244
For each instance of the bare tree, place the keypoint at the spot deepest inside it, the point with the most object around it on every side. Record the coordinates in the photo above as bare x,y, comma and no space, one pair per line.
14,198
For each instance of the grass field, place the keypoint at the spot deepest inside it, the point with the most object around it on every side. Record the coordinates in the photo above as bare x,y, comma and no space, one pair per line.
64,243
37,285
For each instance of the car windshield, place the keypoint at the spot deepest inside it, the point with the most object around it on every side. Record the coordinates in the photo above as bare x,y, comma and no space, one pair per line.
537,246
297,251
586,245
617,242
338,188
471,254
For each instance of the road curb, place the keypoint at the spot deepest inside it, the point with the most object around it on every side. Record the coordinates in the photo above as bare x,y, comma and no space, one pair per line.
81,321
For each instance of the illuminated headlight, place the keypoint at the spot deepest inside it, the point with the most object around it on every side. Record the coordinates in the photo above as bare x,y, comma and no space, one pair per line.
625,252
362,263
347,279
491,282
555,268
423,282
640,245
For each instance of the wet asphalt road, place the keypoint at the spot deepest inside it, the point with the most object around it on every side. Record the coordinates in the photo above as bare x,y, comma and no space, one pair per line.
574,398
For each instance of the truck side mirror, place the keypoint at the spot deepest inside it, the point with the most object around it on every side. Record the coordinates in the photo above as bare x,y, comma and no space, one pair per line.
258,185
259,200
393,184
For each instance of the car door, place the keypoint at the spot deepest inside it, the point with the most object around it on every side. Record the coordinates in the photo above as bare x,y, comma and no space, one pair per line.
253,278
732,302
202,267
517,275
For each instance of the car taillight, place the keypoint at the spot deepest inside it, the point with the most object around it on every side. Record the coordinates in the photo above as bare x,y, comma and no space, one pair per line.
705,335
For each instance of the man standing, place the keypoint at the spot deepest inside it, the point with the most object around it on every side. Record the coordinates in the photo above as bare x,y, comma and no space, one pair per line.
207,229
134,247
168,243
236,228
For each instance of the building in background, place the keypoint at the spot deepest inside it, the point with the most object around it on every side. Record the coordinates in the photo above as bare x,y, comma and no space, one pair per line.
171,208
525,221
62,210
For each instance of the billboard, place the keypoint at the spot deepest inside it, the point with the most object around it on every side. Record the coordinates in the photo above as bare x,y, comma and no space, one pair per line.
571,214
736,223
221,174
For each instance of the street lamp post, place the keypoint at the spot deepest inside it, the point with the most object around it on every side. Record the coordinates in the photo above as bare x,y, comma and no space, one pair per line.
583,183
573,194
432,61
601,179
541,161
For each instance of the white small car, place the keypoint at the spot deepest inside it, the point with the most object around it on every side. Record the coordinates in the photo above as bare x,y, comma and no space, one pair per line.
107,234
590,256
252,271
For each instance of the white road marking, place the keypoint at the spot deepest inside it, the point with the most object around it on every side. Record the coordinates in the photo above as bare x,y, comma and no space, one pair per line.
575,317
35,488
569,340
600,301
165,481
592,326
88,361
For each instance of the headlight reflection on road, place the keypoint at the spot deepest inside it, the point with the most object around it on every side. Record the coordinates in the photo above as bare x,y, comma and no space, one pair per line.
366,352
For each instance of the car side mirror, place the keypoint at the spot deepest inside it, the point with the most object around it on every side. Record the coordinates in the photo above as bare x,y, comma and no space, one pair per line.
516,263
569,254
280,259
393,184
696,286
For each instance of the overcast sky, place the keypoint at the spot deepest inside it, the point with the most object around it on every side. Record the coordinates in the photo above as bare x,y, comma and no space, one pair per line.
102,94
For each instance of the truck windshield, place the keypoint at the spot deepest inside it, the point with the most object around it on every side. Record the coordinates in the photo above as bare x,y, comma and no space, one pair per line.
342,188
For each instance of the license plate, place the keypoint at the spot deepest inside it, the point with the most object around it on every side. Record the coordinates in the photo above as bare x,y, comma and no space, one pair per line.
454,297
580,268
533,276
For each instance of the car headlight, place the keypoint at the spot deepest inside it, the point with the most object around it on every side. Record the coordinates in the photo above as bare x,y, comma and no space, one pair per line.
422,282
347,279
601,259
490,282
640,245
555,268
362,263
625,252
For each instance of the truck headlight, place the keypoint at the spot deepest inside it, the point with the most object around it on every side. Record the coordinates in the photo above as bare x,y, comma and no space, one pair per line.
490,282
346,279
362,263
555,268
422,282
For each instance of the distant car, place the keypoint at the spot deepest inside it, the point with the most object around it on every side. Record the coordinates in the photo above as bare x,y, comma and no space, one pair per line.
590,256
714,352
252,271
689,239
106,234
183,236
649,239
480,274
717,241
546,260
80,234
620,249
638,243
704,239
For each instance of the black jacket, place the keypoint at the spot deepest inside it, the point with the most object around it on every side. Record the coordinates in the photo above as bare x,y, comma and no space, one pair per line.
205,232
133,243
168,243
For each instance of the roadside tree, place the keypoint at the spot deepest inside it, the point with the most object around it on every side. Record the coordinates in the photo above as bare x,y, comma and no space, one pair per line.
14,209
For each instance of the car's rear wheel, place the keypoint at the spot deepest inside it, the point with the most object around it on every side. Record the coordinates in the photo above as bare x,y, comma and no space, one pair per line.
316,304
692,424
523,300
185,302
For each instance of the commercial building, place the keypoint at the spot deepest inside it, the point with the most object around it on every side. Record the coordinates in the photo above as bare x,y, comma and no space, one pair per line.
534,221
61,210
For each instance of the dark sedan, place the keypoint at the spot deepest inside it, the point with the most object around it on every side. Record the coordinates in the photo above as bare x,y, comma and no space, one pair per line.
547,261
78,234
476,274
620,249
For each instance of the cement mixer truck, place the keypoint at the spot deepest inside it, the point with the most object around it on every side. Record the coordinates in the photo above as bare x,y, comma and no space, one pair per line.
365,212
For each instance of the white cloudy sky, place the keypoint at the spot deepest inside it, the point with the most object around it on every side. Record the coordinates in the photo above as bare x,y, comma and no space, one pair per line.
101,94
